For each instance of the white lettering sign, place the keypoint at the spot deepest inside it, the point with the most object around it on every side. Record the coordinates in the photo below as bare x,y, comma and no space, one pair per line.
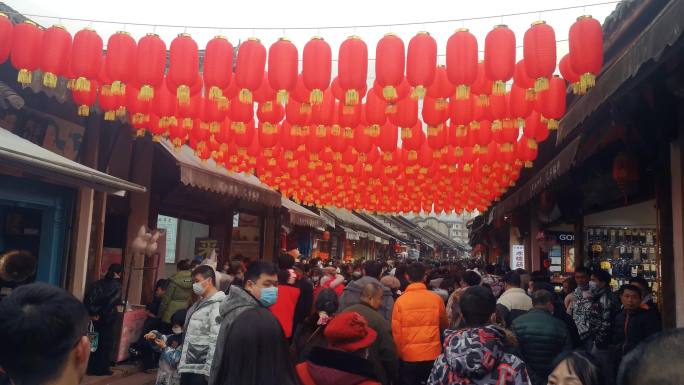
517,257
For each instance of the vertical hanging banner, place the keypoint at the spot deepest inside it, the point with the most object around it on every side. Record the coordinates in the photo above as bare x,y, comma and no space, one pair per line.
517,257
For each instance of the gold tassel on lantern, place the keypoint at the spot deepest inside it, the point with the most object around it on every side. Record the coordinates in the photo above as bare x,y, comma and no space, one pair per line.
389,93
215,93
117,88
282,96
406,133
553,124
418,92
222,103
121,112
81,84
498,88
316,96
541,84
267,107
83,110
49,80
110,115
587,81
146,93
483,100
183,95
245,96
528,164
391,109
25,76
530,94
238,127
351,98
462,92
214,127
70,84
305,108
441,104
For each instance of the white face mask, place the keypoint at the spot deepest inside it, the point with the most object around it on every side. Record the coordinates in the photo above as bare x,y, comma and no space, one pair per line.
198,288
177,330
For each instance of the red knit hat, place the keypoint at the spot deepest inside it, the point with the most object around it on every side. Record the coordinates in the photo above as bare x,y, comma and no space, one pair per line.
349,331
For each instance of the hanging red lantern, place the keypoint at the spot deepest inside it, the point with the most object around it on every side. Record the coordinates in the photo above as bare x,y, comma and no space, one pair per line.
483,133
500,57
412,137
432,115
519,106
553,102
352,69
249,69
150,65
25,54
264,92
437,136
532,124
389,65
406,114
461,61
217,66
54,54
570,75
482,86
316,139
441,89
421,62
539,52
85,99
461,111
120,63
108,102
283,62
389,136
244,138
374,112
6,30
323,113
164,104
521,79
586,50
542,132
240,113
363,143
297,114
316,67
270,112
86,58
183,65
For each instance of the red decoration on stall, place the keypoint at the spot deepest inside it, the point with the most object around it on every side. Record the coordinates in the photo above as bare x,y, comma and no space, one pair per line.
120,63
183,66
25,54
441,89
249,69
586,50
570,75
539,52
85,99
553,102
499,57
6,30
352,69
150,65
389,65
461,61
316,66
421,62
86,58
54,54
283,62
217,67
482,85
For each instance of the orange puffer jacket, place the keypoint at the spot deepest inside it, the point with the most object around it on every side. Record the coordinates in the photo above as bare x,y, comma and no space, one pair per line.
418,318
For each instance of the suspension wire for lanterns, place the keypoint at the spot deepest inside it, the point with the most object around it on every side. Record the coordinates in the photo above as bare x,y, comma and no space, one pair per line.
318,28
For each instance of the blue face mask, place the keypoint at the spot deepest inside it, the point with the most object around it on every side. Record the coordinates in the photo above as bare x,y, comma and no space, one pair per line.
269,296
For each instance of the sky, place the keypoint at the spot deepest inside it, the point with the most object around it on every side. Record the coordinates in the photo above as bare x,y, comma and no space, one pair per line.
302,19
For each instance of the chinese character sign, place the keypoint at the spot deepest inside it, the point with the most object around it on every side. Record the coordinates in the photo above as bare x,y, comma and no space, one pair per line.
205,246
517,257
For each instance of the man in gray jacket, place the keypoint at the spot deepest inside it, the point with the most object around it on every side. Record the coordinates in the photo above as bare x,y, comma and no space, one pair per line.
371,274
261,288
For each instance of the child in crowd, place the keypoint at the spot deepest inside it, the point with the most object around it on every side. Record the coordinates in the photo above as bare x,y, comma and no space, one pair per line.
170,348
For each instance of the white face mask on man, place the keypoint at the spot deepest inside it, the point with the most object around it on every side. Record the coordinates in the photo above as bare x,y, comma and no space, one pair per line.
198,288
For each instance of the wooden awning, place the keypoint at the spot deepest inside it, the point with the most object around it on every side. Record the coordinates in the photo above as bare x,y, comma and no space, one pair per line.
209,176
302,216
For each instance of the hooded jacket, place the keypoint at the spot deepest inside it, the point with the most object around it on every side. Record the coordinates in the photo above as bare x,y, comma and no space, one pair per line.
237,301
201,328
352,295
476,356
337,284
592,312
335,367
176,295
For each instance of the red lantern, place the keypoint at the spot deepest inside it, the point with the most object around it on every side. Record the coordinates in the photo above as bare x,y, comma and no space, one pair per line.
297,114
539,52
437,137
6,30
374,111
283,65
323,113
264,92
518,104
240,113
532,124
461,61
406,114
183,66
441,89
54,54
553,102
270,112
521,78
86,58
432,114
586,50
482,86
389,135
249,69
316,66
109,102
570,75
421,62
120,63
461,111
164,104
150,65
500,57
542,132
389,65
85,99
26,45
352,69
218,66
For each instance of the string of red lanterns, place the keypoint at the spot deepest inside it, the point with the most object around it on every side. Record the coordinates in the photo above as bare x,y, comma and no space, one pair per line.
324,141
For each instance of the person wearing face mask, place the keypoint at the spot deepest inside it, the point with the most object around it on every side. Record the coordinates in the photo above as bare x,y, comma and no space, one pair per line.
170,348
592,308
344,361
101,300
260,290
383,352
44,334
201,328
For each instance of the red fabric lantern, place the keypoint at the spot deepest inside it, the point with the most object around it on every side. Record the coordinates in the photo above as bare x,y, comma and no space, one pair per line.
264,92
270,112
108,102
421,62
461,61
6,30
352,69
120,63
542,132
461,111
86,58
482,85
26,45
570,75
150,65
54,54
441,89
323,113
183,65
249,69
553,102
283,62
218,66
240,113
316,67
518,104
521,78
297,114
406,114
374,111
363,143
499,57
389,135
483,133
316,139
586,50
85,99
532,124
389,65
164,104
432,114
437,137
539,52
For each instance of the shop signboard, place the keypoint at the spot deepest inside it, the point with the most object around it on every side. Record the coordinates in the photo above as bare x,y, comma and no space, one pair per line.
517,257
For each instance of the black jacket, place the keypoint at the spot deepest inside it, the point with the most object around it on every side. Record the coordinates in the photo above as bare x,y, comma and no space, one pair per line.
629,329
541,338
304,302
102,297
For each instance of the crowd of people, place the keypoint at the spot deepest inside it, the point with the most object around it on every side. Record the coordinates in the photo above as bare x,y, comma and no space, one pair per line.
389,322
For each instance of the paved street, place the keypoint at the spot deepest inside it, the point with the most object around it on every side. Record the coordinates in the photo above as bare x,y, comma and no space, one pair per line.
123,375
